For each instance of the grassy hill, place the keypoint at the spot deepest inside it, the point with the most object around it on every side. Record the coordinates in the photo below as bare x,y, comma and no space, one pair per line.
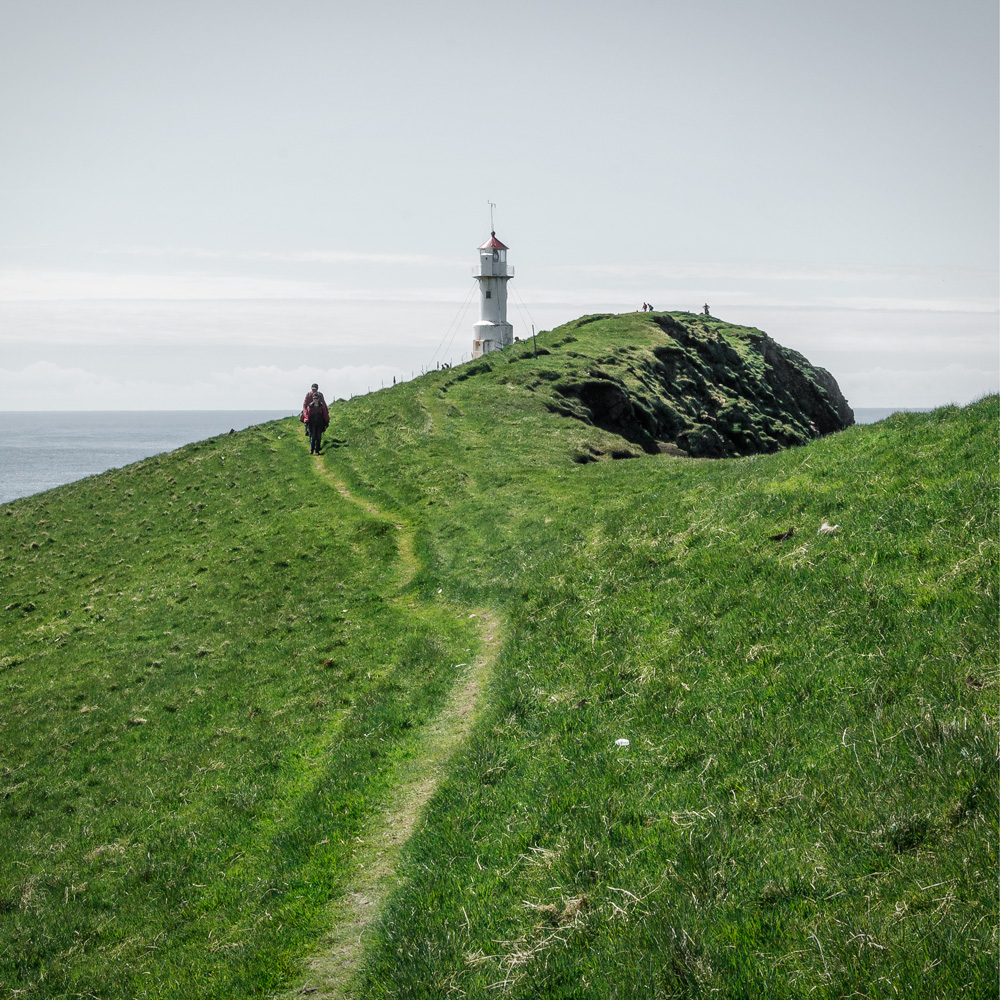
676,383
234,679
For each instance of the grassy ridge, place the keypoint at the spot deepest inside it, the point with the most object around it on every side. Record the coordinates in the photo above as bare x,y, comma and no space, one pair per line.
808,801
205,689
676,382
809,798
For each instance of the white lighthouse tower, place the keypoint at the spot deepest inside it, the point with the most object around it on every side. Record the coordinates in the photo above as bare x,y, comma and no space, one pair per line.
492,332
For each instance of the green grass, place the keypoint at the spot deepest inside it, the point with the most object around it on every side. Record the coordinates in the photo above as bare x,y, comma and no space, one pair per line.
205,690
808,804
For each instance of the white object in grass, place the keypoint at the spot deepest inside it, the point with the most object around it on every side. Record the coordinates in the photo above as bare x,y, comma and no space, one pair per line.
621,743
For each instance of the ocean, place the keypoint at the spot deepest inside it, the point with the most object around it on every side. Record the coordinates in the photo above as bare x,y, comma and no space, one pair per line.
39,451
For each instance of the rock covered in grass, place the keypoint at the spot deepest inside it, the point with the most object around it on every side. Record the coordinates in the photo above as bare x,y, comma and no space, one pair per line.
677,383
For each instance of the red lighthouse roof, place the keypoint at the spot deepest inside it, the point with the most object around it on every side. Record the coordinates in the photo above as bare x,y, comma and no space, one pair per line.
493,244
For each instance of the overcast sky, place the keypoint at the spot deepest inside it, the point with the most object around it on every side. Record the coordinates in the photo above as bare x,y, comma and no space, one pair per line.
214,203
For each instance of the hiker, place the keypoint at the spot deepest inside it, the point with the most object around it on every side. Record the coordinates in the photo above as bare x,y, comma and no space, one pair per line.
316,417
313,392
707,313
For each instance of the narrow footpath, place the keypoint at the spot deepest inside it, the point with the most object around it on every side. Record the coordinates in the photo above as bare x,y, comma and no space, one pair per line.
331,969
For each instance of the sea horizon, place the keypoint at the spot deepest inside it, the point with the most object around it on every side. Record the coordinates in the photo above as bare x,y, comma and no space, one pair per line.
40,450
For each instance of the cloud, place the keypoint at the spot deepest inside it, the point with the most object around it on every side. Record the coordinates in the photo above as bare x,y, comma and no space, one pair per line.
983,306
286,256
361,277
741,285
691,297
259,387
883,386
776,271
36,386
83,286
18,286
31,330
275,386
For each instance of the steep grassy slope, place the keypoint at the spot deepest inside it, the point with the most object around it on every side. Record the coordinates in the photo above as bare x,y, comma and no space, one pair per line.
808,802
206,690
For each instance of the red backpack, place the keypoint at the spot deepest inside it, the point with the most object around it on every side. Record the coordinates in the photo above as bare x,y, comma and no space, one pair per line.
318,405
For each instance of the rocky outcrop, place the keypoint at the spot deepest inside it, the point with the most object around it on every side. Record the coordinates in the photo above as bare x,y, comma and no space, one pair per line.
709,389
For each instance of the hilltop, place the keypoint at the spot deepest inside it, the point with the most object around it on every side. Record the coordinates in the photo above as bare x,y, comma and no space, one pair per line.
680,383
350,726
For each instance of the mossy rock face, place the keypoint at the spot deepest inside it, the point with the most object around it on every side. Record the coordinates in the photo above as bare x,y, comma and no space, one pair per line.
703,441
695,383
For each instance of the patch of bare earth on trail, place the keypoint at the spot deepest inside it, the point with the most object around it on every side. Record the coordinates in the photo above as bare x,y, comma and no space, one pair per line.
330,971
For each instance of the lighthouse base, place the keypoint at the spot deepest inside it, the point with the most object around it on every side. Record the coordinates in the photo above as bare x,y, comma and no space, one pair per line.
491,337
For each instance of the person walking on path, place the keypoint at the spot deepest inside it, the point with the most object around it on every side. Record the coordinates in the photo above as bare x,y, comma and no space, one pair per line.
316,417
313,393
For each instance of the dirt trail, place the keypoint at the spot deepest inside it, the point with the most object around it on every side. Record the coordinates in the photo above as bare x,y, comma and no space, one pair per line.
407,555
331,969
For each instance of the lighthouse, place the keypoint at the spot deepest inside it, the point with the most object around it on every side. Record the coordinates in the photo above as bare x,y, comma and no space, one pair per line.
492,332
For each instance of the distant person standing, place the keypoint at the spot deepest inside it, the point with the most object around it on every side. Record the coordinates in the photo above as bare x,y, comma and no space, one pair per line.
707,313
316,417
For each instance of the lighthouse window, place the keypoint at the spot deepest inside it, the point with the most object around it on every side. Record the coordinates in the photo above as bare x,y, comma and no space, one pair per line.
489,294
